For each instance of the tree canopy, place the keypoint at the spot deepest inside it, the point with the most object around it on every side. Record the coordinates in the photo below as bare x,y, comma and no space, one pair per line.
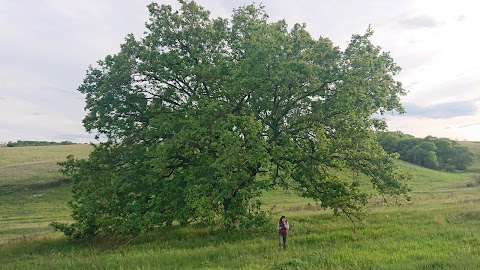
430,152
201,115
20,143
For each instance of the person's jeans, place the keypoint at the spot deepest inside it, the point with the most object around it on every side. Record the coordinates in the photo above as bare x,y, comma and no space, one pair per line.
282,240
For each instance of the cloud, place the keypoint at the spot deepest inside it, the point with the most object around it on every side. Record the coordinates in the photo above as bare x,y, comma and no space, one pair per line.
442,110
461,18
433,85
419,21
411,85
470,125
460,129
75,137
51,45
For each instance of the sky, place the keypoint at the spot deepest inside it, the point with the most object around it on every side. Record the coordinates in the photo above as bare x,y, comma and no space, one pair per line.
46,47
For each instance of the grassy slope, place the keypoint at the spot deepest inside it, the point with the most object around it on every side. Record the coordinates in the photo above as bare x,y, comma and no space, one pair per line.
475,147
26,214
35,164
32,154
437,230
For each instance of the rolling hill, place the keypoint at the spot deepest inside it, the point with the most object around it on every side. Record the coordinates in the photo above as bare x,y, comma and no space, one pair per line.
436,230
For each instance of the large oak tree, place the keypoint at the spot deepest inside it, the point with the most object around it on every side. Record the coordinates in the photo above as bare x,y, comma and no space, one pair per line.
201,115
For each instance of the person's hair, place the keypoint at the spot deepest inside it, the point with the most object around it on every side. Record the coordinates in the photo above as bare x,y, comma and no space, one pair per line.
280,221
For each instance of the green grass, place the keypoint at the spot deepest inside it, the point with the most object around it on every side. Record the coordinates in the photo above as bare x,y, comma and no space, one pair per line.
27,214
395,239
438,229
21,166
475,147
426,180
33,154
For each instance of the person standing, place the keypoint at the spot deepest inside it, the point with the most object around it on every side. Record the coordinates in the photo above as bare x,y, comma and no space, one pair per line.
283,228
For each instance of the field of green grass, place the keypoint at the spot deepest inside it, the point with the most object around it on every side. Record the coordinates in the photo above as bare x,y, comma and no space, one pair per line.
438,229
32,190
21,166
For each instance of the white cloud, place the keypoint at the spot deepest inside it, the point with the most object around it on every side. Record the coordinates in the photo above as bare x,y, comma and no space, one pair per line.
442,110
419,21
458,128
47,46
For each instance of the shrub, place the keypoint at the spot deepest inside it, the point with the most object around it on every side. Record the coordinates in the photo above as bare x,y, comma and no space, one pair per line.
475,181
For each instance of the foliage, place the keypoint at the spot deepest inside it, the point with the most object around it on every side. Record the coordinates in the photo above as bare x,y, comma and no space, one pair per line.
430,152
36,143
475,181
202,115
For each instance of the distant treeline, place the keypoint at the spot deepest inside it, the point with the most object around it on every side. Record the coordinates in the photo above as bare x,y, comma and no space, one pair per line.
36,143
430,152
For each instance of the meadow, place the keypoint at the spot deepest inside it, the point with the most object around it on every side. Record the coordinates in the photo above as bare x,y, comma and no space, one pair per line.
438,229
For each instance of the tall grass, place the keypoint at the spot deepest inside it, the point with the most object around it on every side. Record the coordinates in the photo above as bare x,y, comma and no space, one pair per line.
438,229
27,214
35,164
32,154
395,239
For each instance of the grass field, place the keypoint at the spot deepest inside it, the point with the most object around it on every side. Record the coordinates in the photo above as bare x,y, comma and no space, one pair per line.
21,166
31,190
438,229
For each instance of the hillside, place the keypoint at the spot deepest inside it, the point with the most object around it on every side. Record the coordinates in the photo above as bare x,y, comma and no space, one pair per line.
20,166
31,190
474,146
33,154
436,230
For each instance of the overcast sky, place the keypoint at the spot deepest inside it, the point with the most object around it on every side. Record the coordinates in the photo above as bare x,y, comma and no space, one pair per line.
47,45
